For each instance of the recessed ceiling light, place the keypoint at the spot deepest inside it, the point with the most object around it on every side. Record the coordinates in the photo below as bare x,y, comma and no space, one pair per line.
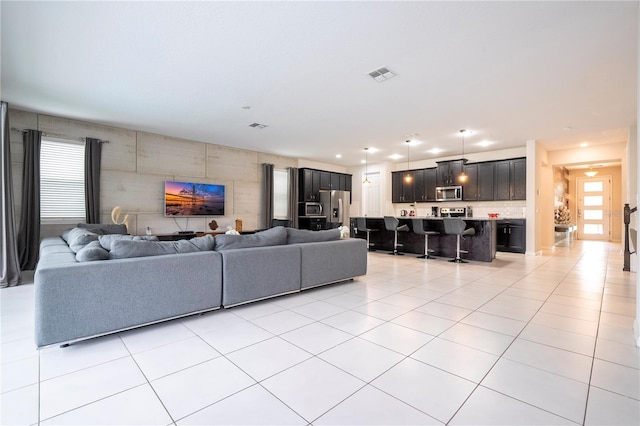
435,151
465,132
485,143
363,161
395,156
373,150
584,145
257,125
338,155
382,74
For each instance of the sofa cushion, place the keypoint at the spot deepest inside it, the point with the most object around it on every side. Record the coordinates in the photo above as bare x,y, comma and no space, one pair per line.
122,249
92,251
107,240
295,236
77,238
104,229
271,237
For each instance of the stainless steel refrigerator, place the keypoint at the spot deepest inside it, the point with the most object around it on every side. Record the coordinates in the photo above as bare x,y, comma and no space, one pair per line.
336,207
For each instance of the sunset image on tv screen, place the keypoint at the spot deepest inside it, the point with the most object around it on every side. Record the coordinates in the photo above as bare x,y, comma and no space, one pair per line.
193,199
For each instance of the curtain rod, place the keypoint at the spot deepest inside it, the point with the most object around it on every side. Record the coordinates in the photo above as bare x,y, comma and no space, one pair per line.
53,135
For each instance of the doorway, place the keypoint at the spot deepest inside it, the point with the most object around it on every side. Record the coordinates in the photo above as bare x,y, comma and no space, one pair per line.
371,195
594,208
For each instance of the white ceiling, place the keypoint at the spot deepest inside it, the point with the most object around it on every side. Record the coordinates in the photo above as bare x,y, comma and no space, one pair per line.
558,72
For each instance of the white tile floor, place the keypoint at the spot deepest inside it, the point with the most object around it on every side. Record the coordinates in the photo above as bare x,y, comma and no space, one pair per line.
523,340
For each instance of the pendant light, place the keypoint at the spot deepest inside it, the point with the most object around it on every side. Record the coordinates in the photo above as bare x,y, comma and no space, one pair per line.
366,180
462,177
408,177
591,173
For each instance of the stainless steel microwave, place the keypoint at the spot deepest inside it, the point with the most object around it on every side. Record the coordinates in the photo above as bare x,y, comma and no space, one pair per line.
310,209
448,193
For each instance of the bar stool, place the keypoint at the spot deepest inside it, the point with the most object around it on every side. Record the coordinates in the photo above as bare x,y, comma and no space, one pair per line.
418,228
455,226
392,224
361,225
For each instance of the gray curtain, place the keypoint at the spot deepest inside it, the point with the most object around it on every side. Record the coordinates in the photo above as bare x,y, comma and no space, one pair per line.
92,155
267,195
29,233
293,196
10,273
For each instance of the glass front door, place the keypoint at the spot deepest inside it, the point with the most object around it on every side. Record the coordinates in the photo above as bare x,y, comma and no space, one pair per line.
594,208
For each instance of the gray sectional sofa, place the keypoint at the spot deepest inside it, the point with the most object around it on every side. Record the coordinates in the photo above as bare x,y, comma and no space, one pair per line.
85,294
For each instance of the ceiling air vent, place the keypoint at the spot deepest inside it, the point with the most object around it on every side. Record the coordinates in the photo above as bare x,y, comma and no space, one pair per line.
382,74
257,125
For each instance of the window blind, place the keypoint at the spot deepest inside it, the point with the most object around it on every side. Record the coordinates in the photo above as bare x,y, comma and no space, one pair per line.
62,179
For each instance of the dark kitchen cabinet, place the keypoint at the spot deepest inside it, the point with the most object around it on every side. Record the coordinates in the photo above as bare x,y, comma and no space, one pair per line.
479,186
519,179
309,185
425,184
402,190
502,174
511,235
447,172
430,177
311,181
325,181
511,179
470,188
485,181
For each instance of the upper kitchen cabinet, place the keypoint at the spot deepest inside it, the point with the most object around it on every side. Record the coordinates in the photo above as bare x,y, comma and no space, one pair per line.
309,185
425,184
479,186
519,173
511,179
402,191
313,181
447,172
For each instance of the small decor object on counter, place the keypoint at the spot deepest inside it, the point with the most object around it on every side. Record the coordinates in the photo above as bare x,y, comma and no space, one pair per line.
213,225
493,215
231,231
562,215
239,225
148,230
344,232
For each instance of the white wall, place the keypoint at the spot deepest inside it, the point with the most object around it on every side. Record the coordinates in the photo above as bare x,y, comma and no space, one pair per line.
136,164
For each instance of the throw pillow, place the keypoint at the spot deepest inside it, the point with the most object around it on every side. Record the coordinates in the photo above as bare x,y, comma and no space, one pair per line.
79,237
92,251
104,229
271,237
123,249
107,240
296,236
204,243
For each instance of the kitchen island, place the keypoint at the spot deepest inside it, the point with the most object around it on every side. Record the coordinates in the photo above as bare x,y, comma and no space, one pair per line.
480,247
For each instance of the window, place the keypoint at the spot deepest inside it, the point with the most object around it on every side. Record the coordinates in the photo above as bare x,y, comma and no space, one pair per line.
280,194
61,180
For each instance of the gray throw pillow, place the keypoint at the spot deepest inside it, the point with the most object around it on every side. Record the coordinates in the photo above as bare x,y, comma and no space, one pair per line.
295,236
92,251
104,229
79,237
271,237
123,249
107,240
204,243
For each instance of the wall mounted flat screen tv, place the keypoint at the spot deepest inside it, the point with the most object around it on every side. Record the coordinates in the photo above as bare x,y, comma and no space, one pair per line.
193,199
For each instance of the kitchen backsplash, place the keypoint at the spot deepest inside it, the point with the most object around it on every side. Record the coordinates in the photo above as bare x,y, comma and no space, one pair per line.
481,209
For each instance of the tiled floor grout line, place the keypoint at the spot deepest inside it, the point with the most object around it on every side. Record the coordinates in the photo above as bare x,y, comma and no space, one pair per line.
595,347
